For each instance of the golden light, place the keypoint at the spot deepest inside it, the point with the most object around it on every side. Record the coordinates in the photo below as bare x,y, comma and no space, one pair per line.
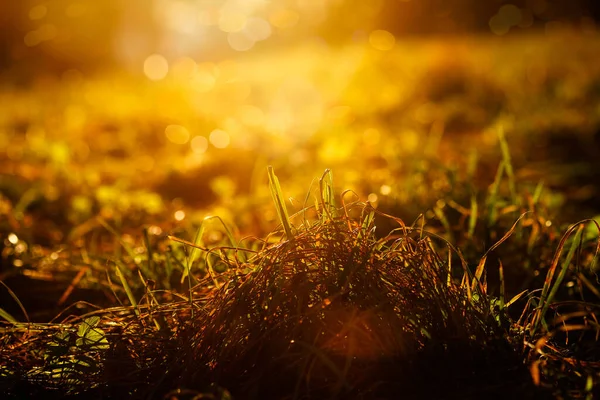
13,239
156,67
145,163
385,190
409,140
204,78
257,29
251,115
199,144
154,230
184,68
283,18
232,21
208,16
219,138
44,33
508,16
371,136
382,40
179,215
177,134
240,41
38,12
75,10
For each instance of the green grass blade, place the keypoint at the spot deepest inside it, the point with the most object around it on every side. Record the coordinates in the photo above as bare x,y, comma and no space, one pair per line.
366,225
127,288
473,215
327,196
194,252
441,216
231,238
493,196
537,194
150,262
549,290
508,164
6,315
277,195
472,164
481,266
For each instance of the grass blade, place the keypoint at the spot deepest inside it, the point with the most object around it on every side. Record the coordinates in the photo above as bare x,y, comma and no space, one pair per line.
481,265
127,288
6,315
493,197
549,290
508,164
472,217
194,252
150,263
277,195
327,197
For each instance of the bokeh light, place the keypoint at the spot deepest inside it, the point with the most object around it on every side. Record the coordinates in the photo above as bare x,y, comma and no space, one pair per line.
13,239
507,17
219,138
179,215
38,12
199,144
177,134
382,40
156,67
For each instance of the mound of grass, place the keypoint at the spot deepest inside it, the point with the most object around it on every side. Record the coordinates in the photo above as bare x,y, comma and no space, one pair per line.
336,313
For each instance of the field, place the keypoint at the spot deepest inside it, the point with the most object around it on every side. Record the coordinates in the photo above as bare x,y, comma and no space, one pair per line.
313,222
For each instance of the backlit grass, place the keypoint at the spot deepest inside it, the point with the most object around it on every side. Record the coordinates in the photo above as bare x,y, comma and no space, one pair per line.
172,240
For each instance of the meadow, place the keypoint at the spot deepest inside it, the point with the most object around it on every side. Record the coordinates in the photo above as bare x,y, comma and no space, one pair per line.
314,222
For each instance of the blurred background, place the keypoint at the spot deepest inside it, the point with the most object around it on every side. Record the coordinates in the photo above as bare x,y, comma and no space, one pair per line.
57,34
152,105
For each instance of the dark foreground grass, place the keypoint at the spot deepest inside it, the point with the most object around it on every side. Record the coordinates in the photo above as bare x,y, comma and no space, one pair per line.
330,310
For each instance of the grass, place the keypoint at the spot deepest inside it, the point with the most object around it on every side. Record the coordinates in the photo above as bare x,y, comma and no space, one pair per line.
452,258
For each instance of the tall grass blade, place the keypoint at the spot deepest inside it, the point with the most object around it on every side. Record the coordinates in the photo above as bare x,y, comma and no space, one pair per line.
502,284
150,262
481,265
449,277
6,315
194,252
472,164
493,196
441,216
366,225
472,216
327,196
549,290
230,237
537,193
508,164
277,195
127,288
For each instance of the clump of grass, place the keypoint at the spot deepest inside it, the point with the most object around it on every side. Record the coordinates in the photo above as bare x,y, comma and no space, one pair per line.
336,312
561,336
